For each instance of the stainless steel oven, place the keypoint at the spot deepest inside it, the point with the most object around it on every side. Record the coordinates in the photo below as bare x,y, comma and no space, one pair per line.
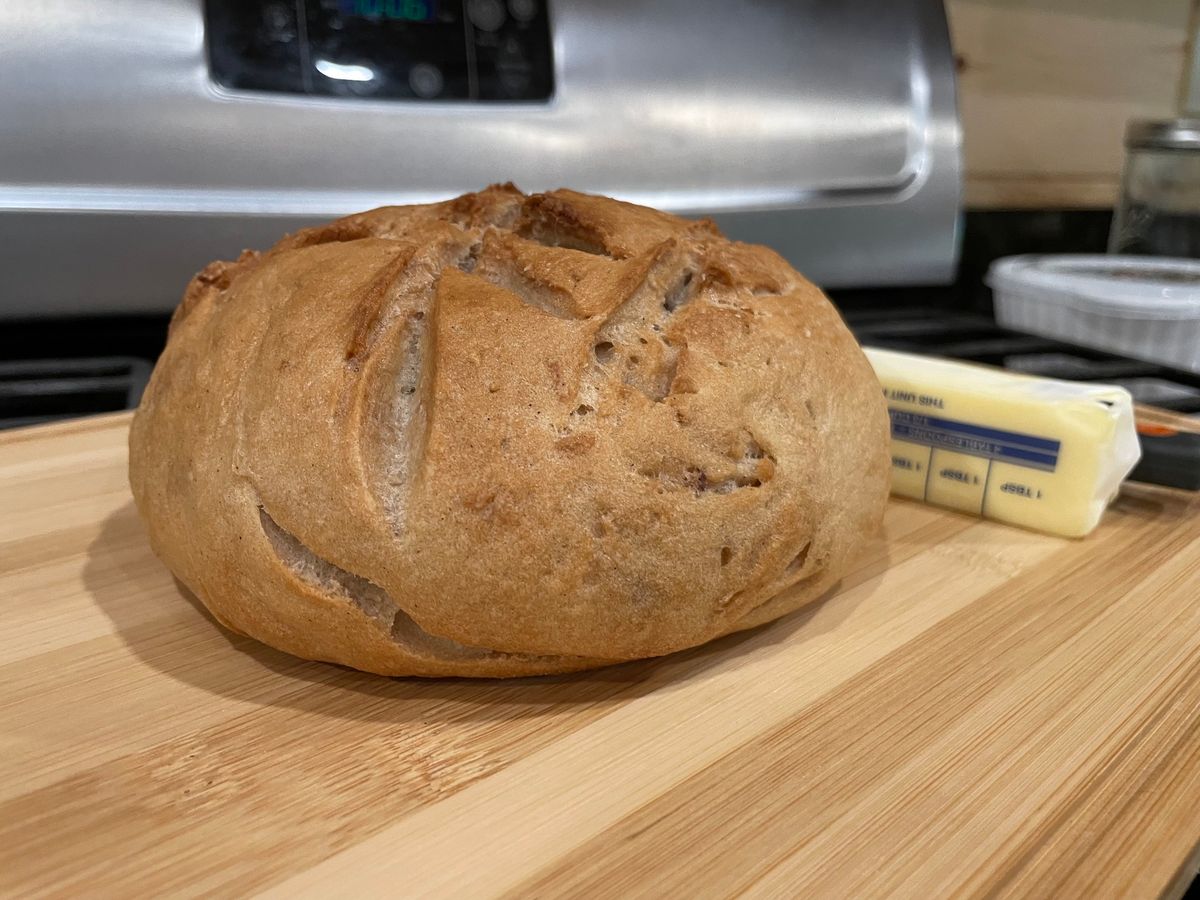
142,138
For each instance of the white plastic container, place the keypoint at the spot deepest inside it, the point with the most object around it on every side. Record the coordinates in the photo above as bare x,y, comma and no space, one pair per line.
1140,306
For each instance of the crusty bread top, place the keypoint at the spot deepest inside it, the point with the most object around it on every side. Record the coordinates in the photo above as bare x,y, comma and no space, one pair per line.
507,434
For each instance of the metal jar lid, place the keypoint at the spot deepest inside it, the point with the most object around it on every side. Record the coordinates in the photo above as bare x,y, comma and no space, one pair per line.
1167,134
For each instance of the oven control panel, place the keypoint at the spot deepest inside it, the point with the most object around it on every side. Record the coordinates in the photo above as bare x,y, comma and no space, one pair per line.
416,50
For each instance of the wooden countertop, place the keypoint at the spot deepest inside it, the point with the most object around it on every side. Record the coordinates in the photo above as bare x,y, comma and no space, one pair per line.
977,709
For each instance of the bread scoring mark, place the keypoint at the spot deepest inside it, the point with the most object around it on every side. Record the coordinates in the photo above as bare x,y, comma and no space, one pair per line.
331,579
548,236
798,561
400,433
372,600
633,342
340,231
552,222
547,278
632,339
373,312
525,289
636,331
732,273
404,299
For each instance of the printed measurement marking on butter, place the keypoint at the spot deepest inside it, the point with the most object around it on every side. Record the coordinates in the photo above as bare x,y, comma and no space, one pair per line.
959,482
976,440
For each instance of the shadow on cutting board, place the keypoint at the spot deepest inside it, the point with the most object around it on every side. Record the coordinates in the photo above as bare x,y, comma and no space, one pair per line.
168,629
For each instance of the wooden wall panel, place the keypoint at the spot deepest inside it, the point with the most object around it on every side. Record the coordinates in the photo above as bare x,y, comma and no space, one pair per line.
1046,87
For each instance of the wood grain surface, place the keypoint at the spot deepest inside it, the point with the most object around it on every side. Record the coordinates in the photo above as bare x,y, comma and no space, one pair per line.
1046,87
976,710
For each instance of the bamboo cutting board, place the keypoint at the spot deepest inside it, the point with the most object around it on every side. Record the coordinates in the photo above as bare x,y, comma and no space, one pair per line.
976,710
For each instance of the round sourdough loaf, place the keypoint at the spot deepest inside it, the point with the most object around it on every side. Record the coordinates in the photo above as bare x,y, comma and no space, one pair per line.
506,435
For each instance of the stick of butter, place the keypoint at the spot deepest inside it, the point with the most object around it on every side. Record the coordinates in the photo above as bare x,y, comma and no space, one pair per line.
1042,454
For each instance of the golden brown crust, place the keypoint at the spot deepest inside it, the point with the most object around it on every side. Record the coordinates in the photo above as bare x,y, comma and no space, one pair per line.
505,435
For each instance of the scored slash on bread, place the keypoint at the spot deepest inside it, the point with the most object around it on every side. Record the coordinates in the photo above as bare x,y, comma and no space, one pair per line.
507,435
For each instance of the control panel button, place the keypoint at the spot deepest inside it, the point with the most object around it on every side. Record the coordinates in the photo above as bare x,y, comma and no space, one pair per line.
522,10
279,22
425,80
486,15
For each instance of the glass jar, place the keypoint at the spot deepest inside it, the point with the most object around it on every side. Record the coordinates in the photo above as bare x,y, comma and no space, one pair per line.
1158,212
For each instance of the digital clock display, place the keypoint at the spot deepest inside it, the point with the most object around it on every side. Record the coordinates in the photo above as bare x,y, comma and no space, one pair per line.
406,50
390,10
